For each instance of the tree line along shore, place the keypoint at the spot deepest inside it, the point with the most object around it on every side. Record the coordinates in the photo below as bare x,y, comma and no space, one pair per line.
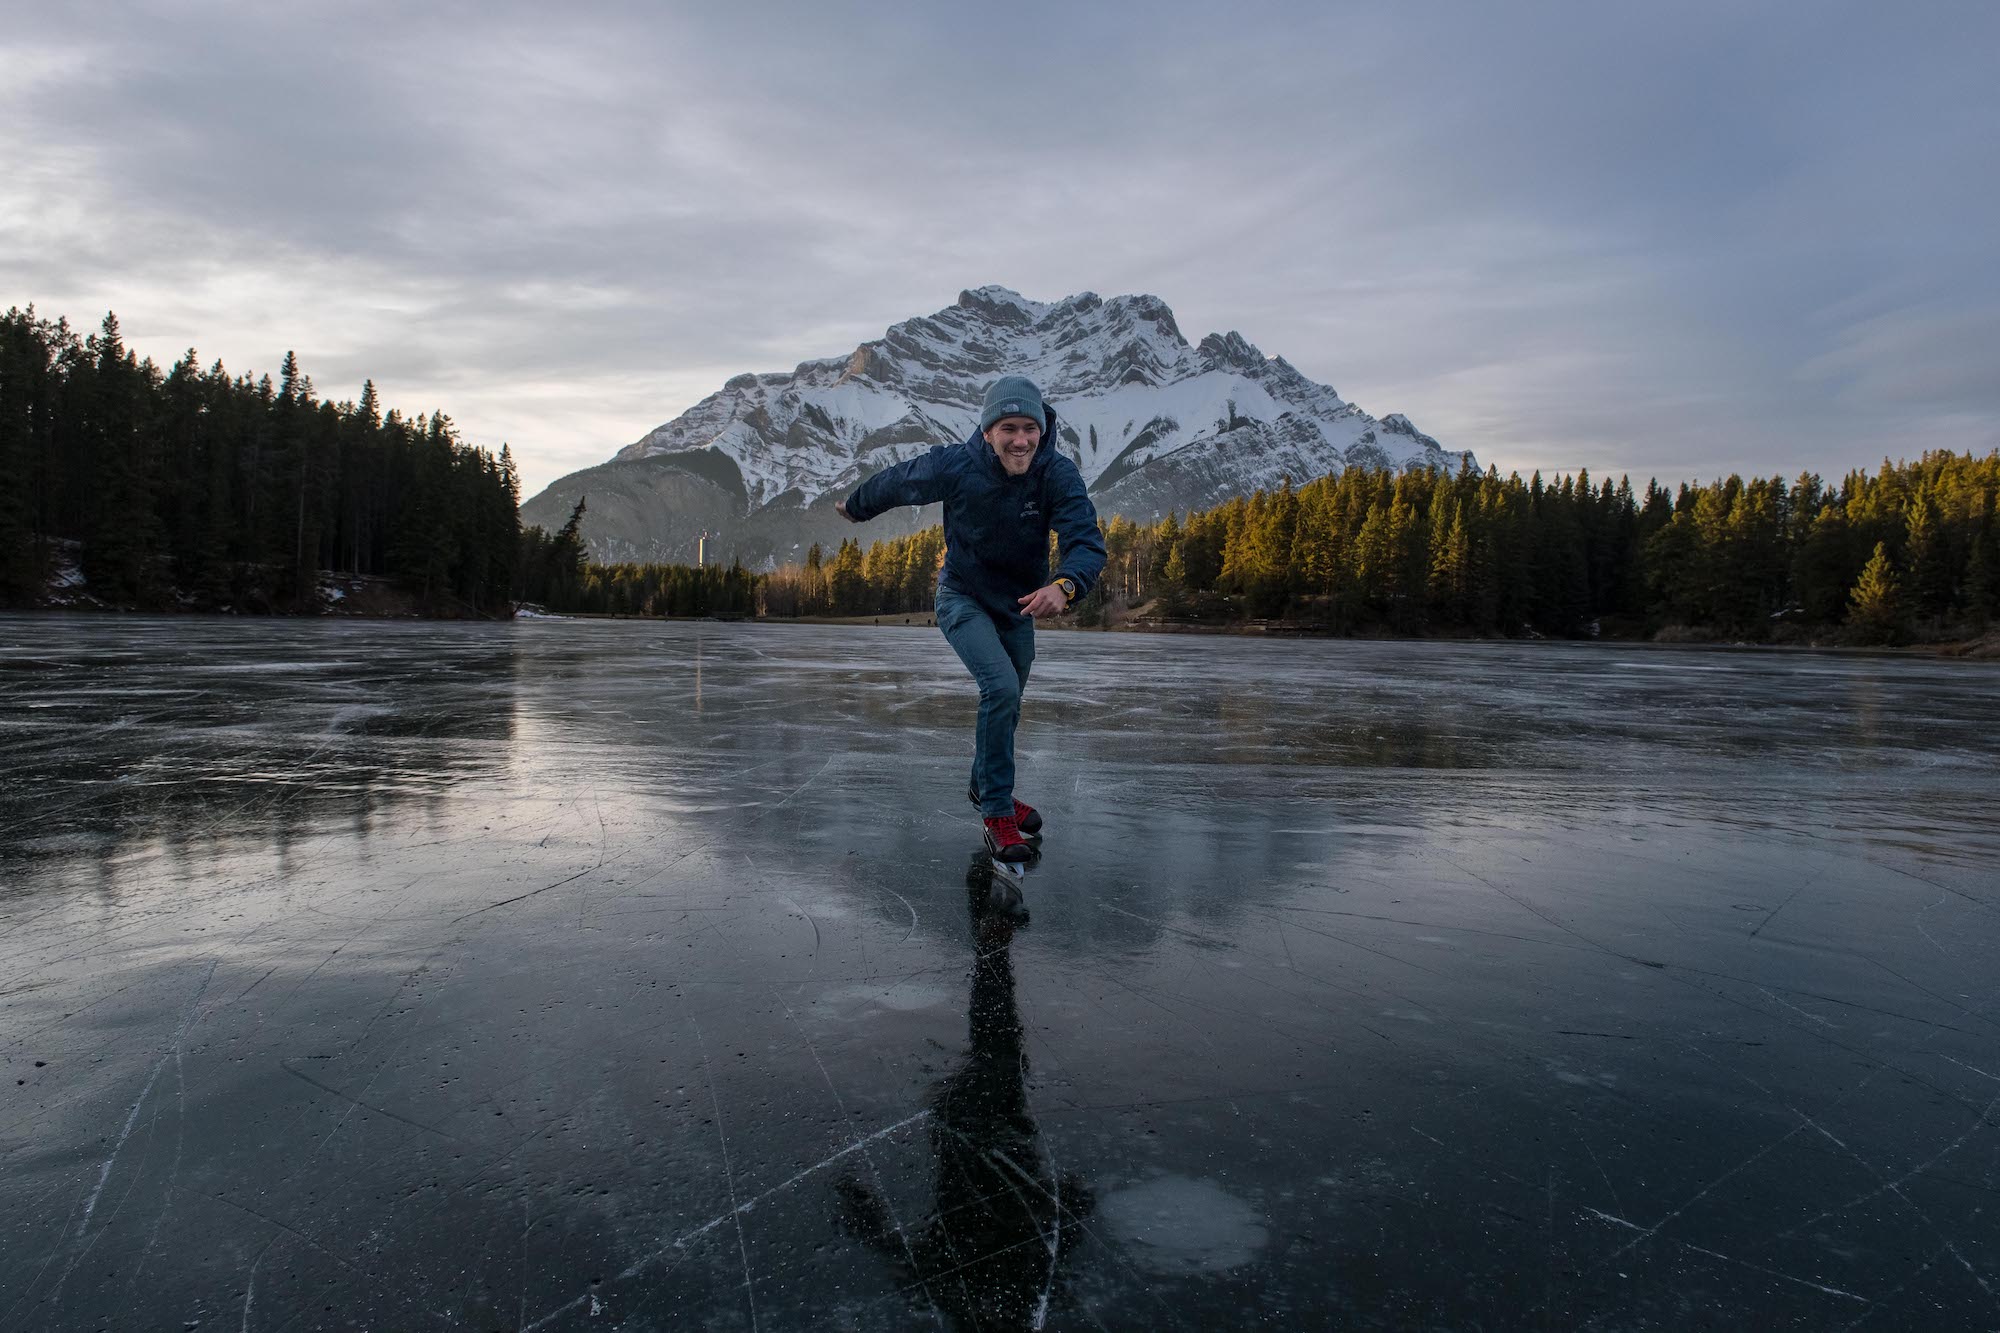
126,485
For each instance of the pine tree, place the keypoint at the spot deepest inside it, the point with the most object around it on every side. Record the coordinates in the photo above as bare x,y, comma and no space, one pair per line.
1982,568
123,547
1451,570
1376,559
1876,603
1824,569
25,385
566,559
1926,558
846,586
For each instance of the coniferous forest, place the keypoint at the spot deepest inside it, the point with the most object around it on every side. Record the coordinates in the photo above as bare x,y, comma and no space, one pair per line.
192,488
1910,552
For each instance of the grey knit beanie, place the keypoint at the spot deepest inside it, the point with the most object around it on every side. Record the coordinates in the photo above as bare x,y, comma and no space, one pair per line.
1012,396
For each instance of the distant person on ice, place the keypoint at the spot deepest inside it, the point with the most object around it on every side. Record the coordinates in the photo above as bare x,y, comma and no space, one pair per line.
1003,493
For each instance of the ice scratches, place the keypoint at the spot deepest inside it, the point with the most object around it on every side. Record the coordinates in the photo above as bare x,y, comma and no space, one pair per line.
1895,1187
1353,944
531,893
881,1185
735,1213
1145,995
354,1101
604,858
1921,930
798,790
1803,1013
793,904
1647,1233
1877,1010
288,1229
1925,879
125,1134
250,1284
728,1171
521,1301
1148,995
1601,1215
790,902
1974,1068
1053,1189
1773,915
1887,1186
1922,989
1535,911
1713,1253
1772,1272
907,907
173,1173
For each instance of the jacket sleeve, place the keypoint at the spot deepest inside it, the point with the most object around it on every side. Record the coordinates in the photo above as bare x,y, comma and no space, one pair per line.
917,481
1074,519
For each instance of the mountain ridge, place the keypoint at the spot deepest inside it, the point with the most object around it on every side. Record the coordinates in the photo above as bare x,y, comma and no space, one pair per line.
1152,421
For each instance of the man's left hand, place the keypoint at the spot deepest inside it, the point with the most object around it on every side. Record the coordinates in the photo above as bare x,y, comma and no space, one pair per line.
1042,602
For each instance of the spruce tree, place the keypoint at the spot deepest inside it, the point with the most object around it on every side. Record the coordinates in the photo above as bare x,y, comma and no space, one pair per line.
1375,562
846,586
1982,569
1876,604
1451,571
24,389
122,550
1926,558
1824,569
566,561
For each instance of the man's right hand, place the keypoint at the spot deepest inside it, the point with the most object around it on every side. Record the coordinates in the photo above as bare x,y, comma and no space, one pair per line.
841,507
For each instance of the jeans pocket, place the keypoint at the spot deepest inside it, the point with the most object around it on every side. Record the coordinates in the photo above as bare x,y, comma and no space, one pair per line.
953,608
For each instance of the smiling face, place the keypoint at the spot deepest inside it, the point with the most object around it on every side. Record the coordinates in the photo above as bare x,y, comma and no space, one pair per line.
1014,440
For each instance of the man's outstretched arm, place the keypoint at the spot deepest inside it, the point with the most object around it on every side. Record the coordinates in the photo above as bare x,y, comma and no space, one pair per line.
916,481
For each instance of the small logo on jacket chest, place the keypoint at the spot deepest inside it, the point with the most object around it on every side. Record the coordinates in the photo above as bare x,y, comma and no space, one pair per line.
1031,510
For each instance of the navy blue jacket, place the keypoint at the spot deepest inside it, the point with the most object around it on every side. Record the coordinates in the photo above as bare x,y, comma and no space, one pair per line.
996,527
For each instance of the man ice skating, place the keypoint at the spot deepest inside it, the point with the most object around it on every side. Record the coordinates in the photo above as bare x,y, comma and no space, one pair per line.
1003,493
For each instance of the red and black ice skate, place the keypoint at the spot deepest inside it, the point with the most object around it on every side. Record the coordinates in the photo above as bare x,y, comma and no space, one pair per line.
1004,840
1026,816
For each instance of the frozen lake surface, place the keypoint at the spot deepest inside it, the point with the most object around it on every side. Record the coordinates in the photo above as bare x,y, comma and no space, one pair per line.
573,975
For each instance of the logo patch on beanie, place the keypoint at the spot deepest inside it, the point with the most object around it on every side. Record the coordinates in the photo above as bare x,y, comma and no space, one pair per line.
1011,406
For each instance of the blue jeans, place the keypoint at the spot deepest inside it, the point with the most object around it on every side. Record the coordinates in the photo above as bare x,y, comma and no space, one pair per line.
998,656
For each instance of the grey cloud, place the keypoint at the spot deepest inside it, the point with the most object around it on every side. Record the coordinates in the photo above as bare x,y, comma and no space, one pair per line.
1936,357
1614,237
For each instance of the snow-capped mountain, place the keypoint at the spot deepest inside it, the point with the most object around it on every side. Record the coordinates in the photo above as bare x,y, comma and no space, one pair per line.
1154,423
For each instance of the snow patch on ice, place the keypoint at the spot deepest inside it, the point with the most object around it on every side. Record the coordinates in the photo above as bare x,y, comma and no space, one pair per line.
905,997
1177,1224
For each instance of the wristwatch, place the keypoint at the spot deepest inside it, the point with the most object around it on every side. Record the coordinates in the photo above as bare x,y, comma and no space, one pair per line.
1068,587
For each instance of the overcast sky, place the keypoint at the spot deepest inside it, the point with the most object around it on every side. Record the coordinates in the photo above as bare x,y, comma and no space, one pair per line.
1676,240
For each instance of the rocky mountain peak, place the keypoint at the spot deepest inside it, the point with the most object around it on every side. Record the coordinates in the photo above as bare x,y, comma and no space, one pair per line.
1231,349
1152,423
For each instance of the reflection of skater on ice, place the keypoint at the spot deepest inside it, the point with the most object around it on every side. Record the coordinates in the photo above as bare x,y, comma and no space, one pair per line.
990,1253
